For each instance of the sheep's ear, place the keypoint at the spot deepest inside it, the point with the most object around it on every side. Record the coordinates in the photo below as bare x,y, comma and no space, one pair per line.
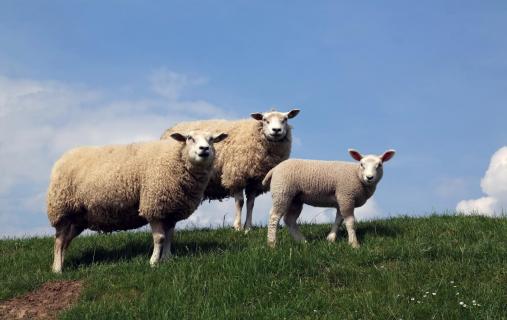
257,116
291,114
355,154
219,137
179,137
388,155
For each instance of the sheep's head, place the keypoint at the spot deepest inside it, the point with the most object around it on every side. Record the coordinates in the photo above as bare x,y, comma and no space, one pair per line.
371,171
199,145
274,123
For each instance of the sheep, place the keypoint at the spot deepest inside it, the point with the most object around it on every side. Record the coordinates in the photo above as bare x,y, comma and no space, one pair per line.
122,187
253,148
342,185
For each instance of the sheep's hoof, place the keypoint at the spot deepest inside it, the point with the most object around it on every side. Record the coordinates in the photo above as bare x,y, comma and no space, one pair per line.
331,237
247,230
271,244
57,270
355,245
237,227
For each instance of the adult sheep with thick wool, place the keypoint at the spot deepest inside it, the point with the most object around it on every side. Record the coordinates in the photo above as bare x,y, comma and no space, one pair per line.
253,148
342,185
124,187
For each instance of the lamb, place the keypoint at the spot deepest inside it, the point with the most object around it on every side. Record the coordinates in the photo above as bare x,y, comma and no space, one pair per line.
124,187
253,148
342,185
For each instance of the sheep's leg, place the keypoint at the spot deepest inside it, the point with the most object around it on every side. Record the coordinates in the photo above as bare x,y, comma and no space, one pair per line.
61,231
238,197
250,200
73,232
291,221
158,232
169,235
274,218
350,222
331,237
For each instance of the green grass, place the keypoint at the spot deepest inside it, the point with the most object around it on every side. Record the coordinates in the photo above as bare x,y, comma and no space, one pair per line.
222,274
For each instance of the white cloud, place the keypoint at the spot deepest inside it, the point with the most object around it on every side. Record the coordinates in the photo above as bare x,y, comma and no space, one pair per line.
39,120
494,185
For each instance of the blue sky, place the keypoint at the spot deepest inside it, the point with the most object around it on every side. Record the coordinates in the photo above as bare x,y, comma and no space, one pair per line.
426,78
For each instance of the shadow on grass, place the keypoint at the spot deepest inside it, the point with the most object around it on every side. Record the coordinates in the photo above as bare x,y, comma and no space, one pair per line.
370,230
143,248
374,230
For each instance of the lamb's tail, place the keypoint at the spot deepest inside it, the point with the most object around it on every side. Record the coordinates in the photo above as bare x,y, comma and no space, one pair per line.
266,182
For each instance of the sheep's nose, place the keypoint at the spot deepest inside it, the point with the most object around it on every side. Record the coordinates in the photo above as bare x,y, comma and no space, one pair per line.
276,130
369,178
204,148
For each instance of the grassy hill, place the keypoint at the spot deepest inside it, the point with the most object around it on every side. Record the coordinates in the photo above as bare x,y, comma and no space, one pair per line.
407,268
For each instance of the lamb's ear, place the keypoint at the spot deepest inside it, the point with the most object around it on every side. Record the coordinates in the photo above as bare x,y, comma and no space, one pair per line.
257,116
179,137
355,154
387,155
219,137
291,114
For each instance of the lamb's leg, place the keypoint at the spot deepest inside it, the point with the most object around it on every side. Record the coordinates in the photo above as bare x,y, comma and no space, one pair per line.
331,237
274,218
350,222
158,232
250,200
239,199
169,235
61,231
291,221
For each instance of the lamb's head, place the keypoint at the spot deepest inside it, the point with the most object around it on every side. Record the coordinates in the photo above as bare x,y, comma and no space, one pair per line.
199,146
274,123
370,166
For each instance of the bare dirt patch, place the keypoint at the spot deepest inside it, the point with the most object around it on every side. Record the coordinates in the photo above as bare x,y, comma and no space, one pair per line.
43,303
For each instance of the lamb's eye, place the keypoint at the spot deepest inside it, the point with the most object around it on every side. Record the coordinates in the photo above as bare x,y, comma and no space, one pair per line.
362,165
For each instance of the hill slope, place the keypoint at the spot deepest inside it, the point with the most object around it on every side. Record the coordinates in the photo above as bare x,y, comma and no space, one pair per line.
409,268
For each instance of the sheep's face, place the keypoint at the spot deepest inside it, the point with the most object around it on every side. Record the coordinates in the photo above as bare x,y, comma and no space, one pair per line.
274,123
199,146
371,166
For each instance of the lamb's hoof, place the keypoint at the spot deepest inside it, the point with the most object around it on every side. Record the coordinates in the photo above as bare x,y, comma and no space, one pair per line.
271,244
331,237
154,264
247,230
237,227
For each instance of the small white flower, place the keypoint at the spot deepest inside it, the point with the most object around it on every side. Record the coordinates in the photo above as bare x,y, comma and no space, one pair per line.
464,306
412,299
452,282
434,293
418,301
454,286
457,293
314,310
425,296
427,292
461,302
473,301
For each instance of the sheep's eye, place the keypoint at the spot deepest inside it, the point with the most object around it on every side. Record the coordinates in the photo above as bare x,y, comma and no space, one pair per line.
362,165
267,121
284,120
